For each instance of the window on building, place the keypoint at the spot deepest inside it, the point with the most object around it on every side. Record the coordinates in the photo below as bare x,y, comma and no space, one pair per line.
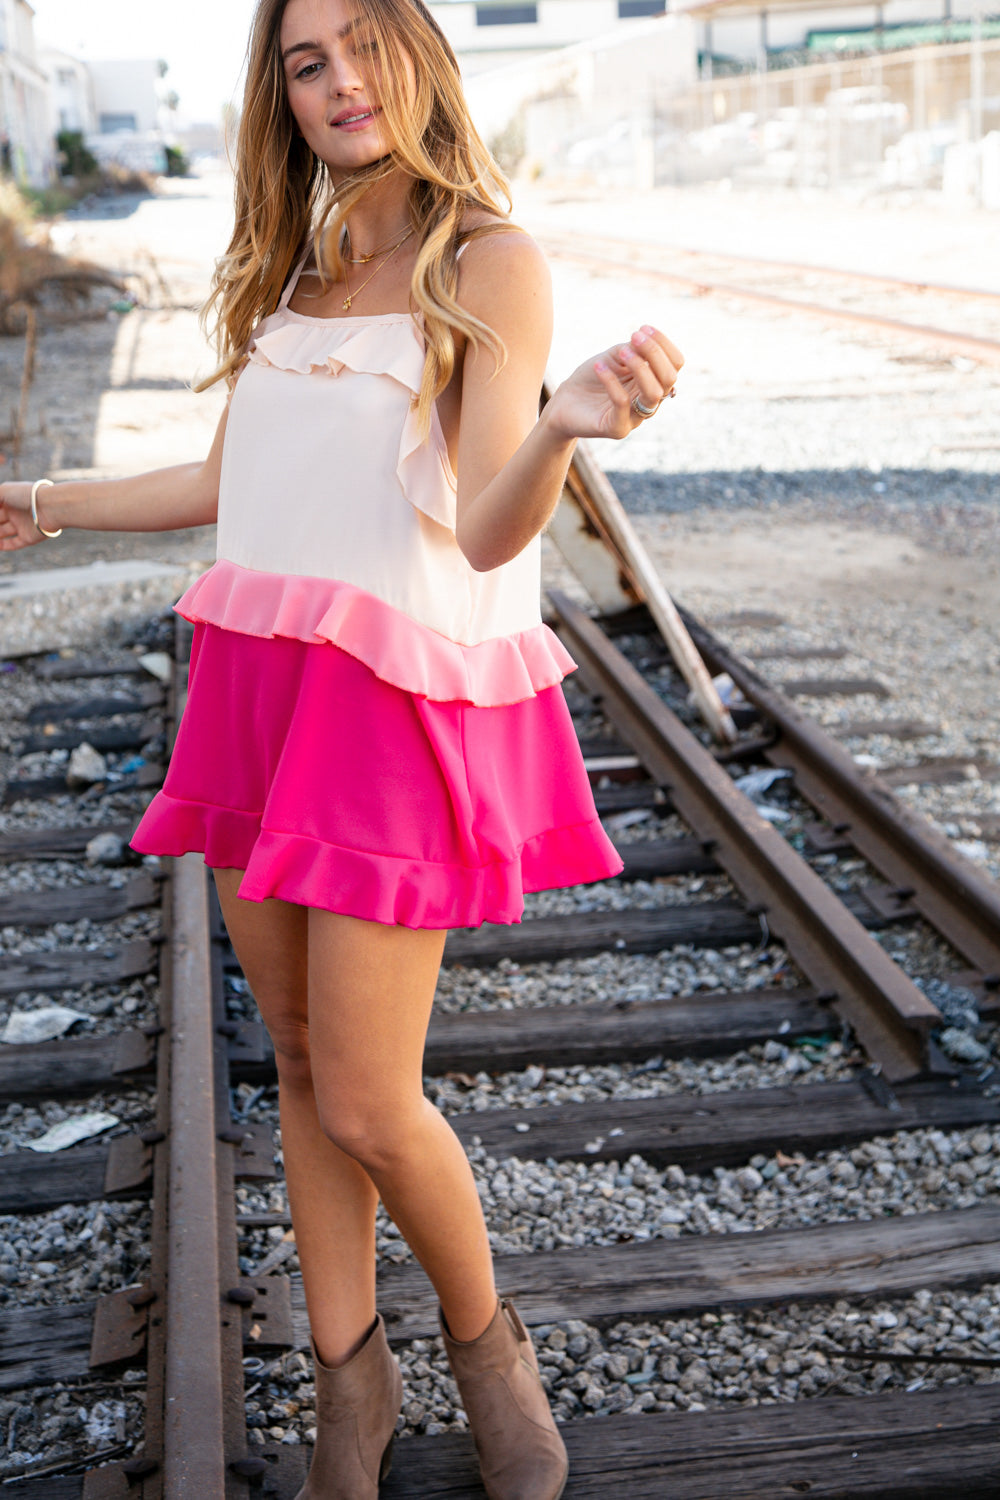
627,9
506,15
65,75
110,123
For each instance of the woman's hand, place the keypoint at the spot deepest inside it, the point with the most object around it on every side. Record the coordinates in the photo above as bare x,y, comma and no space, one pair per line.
17,529
598,399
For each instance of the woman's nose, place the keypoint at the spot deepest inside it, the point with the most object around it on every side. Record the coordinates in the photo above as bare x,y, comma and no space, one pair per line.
344,76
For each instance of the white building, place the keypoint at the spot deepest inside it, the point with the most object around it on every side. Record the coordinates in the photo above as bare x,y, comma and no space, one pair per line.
127,95
71,92
116,106
43,92
487,36
590,105
567,85
26,149
129,105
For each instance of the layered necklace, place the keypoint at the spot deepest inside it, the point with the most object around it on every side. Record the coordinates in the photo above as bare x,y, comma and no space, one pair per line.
383,255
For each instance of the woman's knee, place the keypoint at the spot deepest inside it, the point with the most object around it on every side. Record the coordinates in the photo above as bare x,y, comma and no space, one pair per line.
290,1041
376,1133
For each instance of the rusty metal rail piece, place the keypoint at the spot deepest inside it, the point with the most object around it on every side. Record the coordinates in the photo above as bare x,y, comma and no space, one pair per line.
195,1434
642,253
961,903
890,1015
972,345
194,1451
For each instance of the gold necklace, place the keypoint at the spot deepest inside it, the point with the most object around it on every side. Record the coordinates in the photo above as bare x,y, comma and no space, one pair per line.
345,305
362,260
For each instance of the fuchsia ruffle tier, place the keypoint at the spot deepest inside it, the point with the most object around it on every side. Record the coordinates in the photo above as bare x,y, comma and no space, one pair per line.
334,788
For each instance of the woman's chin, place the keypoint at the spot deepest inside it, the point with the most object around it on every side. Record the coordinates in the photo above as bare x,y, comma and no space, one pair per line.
342,171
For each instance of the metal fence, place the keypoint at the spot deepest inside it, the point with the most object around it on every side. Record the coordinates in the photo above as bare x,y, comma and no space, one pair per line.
926,118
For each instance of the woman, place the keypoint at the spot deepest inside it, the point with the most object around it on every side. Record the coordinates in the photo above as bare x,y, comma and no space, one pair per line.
376,747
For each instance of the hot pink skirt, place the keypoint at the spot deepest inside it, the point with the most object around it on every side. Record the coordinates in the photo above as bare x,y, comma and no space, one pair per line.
332,788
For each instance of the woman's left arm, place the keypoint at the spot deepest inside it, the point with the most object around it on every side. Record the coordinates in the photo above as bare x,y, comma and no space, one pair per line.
512,463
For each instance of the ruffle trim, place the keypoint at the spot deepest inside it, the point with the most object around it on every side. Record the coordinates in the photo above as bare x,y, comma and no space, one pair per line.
376,887
388,346
397,648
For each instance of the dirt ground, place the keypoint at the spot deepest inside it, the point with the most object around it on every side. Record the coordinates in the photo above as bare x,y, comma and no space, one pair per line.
844,565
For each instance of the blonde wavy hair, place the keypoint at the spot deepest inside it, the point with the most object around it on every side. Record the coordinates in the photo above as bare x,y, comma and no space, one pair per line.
284,194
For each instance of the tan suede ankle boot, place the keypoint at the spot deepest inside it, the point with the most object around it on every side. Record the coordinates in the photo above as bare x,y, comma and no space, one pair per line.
521,1455
356,1409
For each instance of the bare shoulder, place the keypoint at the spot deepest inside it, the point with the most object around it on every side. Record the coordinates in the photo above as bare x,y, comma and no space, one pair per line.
501,267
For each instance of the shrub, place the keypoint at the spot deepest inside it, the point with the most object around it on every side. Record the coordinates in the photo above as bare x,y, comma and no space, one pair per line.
177,162
77,161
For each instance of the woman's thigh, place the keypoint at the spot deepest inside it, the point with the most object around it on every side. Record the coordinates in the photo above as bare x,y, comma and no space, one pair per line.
371,988
270,939
345,1001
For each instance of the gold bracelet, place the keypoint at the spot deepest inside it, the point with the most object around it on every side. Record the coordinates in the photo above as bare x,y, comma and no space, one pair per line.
38,485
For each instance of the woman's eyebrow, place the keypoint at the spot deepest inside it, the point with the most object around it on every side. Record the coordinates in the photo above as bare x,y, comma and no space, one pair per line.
342,35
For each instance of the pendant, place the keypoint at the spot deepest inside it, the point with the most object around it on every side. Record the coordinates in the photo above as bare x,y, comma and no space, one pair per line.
346,305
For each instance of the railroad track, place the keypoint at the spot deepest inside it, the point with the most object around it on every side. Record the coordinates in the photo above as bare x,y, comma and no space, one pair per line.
966,319
199,1334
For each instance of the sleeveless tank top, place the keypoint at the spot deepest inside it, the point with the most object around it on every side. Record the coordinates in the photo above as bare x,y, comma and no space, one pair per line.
337,520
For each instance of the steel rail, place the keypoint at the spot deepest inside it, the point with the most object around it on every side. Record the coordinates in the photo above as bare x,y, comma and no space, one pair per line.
636,248
194,1450
889,1014
203,1422
969,344
195,1430
961,903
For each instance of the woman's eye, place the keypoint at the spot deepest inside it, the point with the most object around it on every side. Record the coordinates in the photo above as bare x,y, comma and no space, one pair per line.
309,71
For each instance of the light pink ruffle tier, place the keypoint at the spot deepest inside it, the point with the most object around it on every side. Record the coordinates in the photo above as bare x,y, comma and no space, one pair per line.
399,650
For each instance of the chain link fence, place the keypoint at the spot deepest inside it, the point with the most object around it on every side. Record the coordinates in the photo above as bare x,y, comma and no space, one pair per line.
922,119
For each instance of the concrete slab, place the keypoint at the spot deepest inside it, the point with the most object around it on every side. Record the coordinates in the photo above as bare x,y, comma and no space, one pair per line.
95,575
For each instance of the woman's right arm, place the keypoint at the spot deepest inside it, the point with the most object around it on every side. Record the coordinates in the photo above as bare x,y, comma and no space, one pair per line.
162,500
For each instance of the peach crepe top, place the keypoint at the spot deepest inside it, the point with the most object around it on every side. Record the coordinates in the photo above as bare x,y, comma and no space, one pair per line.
337,520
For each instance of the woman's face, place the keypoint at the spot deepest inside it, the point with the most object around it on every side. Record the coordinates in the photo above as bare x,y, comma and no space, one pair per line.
332,74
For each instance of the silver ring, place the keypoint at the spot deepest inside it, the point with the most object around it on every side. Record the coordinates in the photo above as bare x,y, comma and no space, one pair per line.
644,411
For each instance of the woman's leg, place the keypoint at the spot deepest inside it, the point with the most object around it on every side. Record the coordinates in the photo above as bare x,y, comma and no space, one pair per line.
371,987
347,1005
332,1198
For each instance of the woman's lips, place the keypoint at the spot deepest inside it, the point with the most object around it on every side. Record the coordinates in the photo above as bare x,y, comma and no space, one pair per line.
352,120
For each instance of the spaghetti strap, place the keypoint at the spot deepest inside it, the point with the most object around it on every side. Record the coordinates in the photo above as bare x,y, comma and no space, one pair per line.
294,278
